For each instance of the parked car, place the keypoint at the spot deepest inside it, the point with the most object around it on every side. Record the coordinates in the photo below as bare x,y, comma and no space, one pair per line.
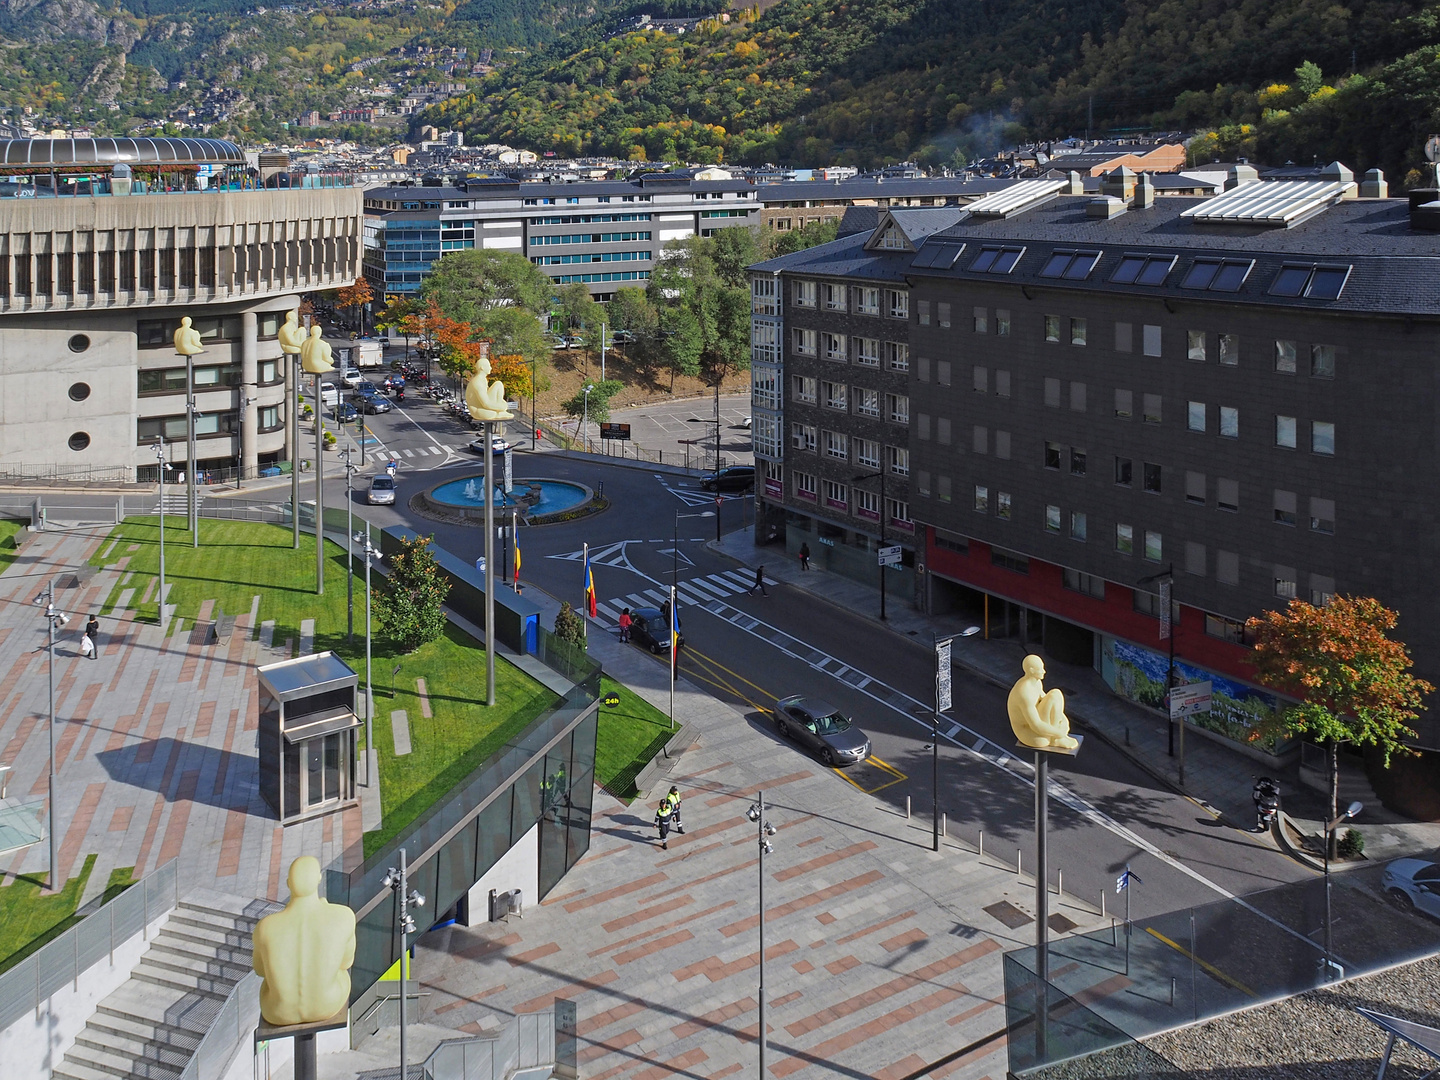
822,729
382,491
374,403
1414,885
735,478
622,337
498,445
329,395
648,629
351,377
345,413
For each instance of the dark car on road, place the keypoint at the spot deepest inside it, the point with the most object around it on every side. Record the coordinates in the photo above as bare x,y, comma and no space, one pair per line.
647,628
345,412
374,403
735,478
823,729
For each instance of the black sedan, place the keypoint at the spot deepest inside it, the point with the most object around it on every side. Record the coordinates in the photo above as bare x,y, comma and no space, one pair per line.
648,628
345,412
735,478
823,729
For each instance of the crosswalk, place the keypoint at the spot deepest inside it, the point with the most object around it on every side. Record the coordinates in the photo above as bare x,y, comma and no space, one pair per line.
175,503
693,592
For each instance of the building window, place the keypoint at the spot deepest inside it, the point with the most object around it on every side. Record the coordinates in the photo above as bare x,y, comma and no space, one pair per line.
899,513
1052,393
1150,336
1143,269
834,395
1052,519
1148,603
1077,397
762,296
1151,403
1077,461
980,439
1124,473
1002,505
942,488
803,342
1124,337
897,356
867,300
1322,590
79,391
897,303
1002,383
1002,322
1010,560
982,499
1151,477
1218,275
1285,432
1229,422
1002,445
1322,361
834,347
1052,328
1154,549
1230,350
1194,487
80,440
1285,507
1322,515
1231,630
922,312
803,294
922,483
1195,345
867,453
1227,494
1283,579
996,260
1285,357
980,379
805,486
980,321
867,504
1053,454
897,408
802,389
802,437
867,351
1322,437
837,445
942,314
1227,567
1195,416
1089,584
269,418
899,460
1125,539
1077,526
1124,404
834,297
1077,331
867,402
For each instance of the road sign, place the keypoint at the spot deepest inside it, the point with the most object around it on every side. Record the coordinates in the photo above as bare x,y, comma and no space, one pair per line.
1164,609
1126,876
611,700
615,431
1190,700
942,675
890,556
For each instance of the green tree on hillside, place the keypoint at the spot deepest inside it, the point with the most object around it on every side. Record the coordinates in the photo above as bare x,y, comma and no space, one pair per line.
467,284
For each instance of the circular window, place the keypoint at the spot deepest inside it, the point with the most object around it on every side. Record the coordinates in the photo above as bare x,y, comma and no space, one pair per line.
79,391
79,441
79,343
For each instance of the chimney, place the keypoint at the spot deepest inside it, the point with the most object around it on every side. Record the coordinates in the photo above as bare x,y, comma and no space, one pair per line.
1119,183
1339,174
1144,193
1374,186
1105,207
1073,184
1241,174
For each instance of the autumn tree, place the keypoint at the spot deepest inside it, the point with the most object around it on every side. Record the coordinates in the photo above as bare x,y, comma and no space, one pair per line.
1352,680
355,296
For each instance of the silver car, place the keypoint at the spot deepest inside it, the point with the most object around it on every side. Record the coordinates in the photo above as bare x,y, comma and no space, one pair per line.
1414,884
823,729
382,491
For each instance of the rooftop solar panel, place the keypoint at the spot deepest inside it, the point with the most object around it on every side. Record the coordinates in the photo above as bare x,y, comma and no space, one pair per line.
1281,203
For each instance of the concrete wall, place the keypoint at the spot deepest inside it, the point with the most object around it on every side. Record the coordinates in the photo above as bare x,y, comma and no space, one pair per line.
518,868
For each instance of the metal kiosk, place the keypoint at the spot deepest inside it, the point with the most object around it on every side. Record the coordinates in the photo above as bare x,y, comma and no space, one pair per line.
307,738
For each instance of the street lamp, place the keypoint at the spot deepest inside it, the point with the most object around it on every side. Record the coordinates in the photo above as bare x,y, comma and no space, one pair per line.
192,487
763,831
405,897
1330,969
585,423
1166,578
860,479
350,471
942,703
162,466
370,552
53,619
716,422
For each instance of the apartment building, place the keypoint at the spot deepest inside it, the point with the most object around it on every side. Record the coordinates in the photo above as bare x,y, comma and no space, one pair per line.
793,204
606,234
105,244
1235,393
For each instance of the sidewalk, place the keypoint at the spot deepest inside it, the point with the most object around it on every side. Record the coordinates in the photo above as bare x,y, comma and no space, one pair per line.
1216,775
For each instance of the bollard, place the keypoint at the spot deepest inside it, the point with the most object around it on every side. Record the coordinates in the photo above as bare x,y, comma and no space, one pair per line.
907,807
1114,941
944,826
1059,882
1102,903
1127,734
1172,991
1018,856
980,846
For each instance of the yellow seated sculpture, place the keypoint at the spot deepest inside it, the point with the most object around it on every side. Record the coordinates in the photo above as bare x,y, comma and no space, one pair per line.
187,339
315,354
304,953
290,335
486,400
1036,716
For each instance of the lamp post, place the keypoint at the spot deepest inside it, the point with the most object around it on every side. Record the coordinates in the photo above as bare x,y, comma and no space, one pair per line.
370,553
161,467
405,898
1332,970
350,470
489,428
245,402
534,420
942,704
295,448
1166,578
192,488
716,422
53,619
585,423
860,479
763,831
319,493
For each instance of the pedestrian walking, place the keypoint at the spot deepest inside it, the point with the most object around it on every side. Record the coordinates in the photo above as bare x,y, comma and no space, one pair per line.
664,817
674,798
625,623
804,556
91,644
759,583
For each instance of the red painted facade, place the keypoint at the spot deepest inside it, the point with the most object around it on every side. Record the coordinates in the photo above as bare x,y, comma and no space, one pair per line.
1043,589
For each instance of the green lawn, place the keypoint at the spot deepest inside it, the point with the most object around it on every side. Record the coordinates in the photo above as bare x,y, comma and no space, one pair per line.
240,560
629,735
28,918
9,528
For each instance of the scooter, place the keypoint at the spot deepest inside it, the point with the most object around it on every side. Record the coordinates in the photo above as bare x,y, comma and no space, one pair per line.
1266,797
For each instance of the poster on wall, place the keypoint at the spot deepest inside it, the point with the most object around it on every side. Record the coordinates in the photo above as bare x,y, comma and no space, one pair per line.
1139,674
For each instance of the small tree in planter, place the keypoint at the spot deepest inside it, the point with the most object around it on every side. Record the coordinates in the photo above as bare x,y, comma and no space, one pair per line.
1352,680
569,626
411,611
330,440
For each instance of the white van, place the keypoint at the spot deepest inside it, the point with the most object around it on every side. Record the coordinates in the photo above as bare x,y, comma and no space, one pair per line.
367,353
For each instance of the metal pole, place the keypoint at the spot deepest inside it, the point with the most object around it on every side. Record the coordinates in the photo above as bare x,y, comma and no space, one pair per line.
489,427
1127,918
934,773
54,847
760,832
602,352
160,465
673,635
534,420
717,462
349,556
192,509
295,455
319,494
1328,830
369,686
1042,906
882,539
404,912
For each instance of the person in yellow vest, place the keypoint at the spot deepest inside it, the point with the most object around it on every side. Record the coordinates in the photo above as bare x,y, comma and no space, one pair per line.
664,818
674,798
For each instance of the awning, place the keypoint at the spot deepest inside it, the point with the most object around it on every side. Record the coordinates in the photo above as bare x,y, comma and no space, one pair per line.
314,727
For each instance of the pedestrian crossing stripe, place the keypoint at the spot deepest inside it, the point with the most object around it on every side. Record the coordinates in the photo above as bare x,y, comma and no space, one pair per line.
710,587
694,592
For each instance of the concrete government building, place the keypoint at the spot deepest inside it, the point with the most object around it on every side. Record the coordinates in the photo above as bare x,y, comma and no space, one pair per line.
104,245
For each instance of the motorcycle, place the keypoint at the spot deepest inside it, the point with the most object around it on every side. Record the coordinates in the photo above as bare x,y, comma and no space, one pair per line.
1266,797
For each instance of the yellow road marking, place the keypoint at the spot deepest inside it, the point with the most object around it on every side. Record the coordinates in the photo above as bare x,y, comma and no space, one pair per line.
1211,968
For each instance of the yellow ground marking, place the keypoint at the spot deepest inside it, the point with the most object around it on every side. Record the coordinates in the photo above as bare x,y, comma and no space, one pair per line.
1211,968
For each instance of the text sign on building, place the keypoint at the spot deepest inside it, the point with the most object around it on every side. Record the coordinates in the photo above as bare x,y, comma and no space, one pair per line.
942,675
1164,610
1189,700
890,556
615,431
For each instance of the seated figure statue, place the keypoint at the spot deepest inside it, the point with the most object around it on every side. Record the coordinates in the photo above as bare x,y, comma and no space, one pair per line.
315,353
187,339
1037,716
290,335
484,399
304,953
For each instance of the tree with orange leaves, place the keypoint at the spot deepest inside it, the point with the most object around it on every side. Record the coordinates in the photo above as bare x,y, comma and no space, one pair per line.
1352,680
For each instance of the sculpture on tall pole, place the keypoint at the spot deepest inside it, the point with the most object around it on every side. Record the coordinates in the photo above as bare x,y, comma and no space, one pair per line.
292,339
486,402
315,359
189,345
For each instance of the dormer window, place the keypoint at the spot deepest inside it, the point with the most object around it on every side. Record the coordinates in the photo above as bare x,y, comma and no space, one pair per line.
892,239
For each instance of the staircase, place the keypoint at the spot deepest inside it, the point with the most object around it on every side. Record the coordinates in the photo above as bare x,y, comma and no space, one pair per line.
149,1028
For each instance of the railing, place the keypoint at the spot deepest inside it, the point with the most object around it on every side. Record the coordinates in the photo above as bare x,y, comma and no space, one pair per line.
70,474
233,1024
24,987
526,1042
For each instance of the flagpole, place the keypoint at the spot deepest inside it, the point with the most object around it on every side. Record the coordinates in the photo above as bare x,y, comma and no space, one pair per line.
585,606
674,633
